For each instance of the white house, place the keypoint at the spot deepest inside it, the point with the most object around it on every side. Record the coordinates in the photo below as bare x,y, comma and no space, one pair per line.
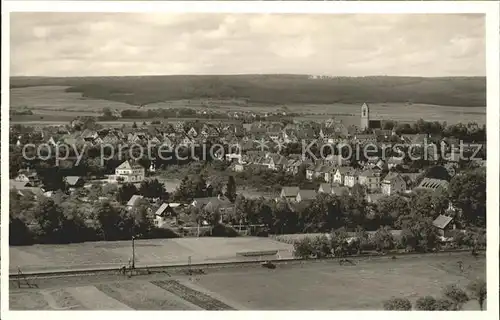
351,178
339,175
128,172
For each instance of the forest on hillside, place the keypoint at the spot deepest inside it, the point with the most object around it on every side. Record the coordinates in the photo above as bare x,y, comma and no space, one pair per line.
274,89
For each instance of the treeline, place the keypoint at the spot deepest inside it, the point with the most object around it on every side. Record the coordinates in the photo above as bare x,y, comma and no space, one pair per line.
170,113
276,89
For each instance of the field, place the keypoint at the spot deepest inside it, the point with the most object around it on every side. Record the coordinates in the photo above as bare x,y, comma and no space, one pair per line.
274,89
316,285
147,253
53,105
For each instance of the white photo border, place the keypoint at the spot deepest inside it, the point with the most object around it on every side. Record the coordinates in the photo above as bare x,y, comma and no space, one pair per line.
490,8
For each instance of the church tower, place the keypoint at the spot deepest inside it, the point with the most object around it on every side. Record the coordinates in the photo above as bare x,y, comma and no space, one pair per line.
365,117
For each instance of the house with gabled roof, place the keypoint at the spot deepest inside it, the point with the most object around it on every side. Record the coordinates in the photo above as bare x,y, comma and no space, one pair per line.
166,212
134,201
129,171
393,183
370,179
444,225
289,193
325,188
351,178
28,176
74,181
340,173
306,195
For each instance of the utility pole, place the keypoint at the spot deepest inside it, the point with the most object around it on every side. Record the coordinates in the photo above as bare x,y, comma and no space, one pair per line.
133,252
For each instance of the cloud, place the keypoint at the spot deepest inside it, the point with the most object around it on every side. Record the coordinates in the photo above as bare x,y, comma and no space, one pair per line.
82,44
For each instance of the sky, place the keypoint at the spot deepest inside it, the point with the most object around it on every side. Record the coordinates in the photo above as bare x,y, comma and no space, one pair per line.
119,44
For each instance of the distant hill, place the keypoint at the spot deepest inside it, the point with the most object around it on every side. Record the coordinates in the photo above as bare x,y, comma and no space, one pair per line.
275,89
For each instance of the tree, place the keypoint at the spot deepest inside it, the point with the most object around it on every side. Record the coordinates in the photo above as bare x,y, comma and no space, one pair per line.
477,289
107,112
134,125
339,242
397,304
468,193
231,189
321,247
109,218
437,172
126,192
303,248
19,233
419,233
152,189
49,218
383,239
427,303
456,295
421,203
391,207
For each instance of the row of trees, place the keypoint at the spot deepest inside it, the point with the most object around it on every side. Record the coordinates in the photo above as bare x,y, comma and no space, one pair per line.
421,238
68,221
453,298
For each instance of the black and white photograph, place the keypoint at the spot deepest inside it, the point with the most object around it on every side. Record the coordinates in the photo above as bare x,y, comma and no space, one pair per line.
248,161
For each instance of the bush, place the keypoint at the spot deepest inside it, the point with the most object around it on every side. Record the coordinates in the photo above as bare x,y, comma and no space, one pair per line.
163,233
221,230
303,248
477,289
19,233
321,247
443,304
397,304
383,239
427,303
456,295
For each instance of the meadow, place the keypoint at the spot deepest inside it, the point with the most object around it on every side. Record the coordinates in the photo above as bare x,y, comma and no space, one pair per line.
54,105
313,285
115,254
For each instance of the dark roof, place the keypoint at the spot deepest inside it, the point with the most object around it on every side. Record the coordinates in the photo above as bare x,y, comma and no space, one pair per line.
442,221
429,183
